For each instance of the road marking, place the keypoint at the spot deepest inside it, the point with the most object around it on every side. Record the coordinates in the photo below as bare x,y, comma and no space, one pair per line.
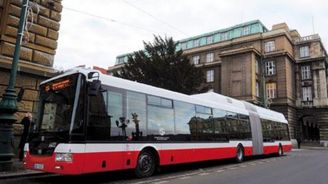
251,164
218,171
140,182
232,168
203,174
160,182
186,177
243,166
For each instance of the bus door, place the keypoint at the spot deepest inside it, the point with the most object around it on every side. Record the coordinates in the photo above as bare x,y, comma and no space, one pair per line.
257,137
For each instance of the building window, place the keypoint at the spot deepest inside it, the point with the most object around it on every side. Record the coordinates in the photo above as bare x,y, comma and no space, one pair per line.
307,93
304,51
271,90
210,76
306,72
257,69
270,68
246,30
196,43
269,46
184,46
225,36
209,39
196,60
210,57
257,88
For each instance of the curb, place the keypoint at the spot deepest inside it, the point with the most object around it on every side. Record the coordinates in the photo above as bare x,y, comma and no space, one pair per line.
314,148
28,173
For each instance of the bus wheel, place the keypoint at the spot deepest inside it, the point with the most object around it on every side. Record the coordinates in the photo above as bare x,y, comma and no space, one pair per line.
280,151
240,154
146,164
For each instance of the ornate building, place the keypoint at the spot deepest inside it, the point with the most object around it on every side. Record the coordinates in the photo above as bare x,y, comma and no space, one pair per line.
37,51
276,68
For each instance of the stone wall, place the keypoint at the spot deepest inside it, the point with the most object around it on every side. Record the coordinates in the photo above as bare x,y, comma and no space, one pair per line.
40,39
37,51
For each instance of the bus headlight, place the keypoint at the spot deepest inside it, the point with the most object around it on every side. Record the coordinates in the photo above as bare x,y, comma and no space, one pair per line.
64,157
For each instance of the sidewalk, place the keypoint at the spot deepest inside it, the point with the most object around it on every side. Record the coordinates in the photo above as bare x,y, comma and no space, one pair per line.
18,170
314,147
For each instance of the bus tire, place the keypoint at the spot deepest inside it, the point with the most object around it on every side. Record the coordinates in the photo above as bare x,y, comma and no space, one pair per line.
240,154
146,164
280,151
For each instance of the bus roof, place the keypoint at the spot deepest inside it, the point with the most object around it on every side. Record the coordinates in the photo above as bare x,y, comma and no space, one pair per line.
262,112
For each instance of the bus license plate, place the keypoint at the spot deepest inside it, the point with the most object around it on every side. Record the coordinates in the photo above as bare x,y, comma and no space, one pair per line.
38,166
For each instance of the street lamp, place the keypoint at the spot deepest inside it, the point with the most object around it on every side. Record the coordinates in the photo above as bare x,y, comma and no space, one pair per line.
8,104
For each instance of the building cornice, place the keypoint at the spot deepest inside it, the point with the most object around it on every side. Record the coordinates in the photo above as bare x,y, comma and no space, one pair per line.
278,53
310,59
28,67
239,51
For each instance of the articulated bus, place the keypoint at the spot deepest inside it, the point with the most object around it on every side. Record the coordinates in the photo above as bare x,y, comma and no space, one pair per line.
89,122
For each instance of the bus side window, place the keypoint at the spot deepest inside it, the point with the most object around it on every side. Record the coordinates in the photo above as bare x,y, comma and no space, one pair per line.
118,123
98,126
136,112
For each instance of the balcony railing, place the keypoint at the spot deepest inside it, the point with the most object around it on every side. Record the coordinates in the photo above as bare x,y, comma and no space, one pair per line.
308,38
307,103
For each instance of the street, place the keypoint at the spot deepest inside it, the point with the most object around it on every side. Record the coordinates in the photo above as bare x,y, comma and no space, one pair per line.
300,166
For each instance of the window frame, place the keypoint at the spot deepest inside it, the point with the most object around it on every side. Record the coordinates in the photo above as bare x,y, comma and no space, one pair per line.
210,75
257,89
270,68
210,57
196,60
271,90
307,95
306,72
209,39
246,30
196,43
270,46
304,51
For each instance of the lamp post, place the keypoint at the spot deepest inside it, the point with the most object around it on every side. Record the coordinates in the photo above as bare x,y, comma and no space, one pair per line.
8,104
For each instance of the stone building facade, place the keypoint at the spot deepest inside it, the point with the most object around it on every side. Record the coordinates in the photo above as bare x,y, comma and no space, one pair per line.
276,68
37,51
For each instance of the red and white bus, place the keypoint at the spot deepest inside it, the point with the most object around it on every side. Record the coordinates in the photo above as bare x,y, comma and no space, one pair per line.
89,122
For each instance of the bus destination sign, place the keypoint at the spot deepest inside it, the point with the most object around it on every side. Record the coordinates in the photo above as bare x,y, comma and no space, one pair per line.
58,85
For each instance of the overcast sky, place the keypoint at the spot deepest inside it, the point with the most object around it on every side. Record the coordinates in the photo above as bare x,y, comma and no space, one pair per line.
95,32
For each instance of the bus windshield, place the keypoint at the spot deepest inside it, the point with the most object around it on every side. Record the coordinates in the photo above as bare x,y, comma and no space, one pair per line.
57,99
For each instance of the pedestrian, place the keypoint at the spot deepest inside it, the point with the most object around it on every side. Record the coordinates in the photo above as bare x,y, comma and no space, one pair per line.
298,139
26,122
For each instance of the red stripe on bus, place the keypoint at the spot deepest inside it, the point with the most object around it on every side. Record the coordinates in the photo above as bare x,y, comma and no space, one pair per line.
110,161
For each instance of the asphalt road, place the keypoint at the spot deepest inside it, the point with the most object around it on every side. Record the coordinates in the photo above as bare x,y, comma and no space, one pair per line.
299,166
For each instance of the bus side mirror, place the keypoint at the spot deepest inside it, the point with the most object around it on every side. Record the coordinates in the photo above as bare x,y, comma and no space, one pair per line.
20,94
94,87
92,75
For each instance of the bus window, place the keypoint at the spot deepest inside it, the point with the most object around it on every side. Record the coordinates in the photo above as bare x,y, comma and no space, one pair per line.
184,112
99,123
115,111
160,121
244,127
221,131
202,125
136,113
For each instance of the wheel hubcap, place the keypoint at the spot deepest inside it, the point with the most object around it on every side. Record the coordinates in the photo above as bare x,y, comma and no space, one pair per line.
145,163
240,154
